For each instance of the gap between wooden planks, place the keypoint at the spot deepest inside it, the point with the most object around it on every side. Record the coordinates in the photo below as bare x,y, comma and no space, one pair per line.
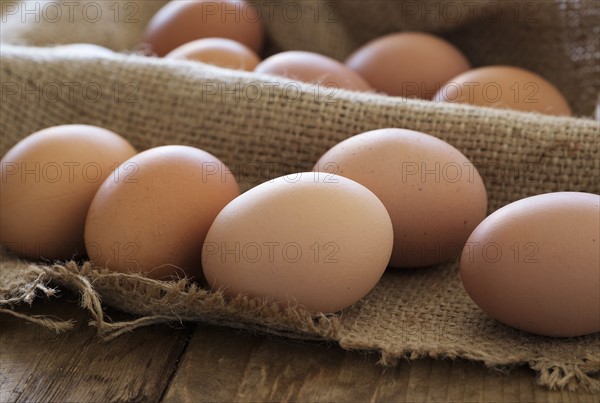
206,363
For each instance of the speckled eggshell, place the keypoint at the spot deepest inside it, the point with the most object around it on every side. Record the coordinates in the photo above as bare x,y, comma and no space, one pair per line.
48,182
219,52
408,64
153,215
535,264
433,193
312,68
505,87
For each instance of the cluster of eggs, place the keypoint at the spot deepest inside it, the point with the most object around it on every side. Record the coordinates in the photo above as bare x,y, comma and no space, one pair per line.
320,239
407,64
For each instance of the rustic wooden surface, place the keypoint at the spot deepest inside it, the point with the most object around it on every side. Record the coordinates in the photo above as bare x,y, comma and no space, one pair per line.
204,363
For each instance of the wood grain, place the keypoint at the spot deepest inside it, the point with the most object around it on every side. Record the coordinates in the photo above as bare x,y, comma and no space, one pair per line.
206,363
231,366
37,365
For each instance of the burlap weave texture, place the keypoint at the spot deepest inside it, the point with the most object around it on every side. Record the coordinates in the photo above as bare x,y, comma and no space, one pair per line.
247,120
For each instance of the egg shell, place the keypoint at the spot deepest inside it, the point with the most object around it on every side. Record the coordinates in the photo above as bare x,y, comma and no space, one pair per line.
505,87
219,52
408,64
535,264
433,193
153,215
312,68
180,22
317,240
48,182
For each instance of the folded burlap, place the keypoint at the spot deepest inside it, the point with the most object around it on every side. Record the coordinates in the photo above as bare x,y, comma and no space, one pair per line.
262,129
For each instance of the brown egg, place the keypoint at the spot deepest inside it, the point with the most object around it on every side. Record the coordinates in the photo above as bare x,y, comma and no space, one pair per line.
152,216
505,87
180,22
219,52
535,264
408,64
48,182
311,239
312,68
432,192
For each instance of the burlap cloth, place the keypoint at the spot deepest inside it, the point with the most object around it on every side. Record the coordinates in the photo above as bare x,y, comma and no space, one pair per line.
262,130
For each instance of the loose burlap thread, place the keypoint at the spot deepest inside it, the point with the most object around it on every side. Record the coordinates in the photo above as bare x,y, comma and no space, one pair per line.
249,120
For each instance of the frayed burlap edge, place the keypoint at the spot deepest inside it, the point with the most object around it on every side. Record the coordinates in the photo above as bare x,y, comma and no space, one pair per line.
166,302
582,375
156,302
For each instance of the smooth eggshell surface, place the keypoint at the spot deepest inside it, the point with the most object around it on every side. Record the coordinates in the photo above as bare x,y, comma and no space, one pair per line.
312,68
408,64
48,182
505,87
219,52
535,264
152,216
432,192
313,239
180,22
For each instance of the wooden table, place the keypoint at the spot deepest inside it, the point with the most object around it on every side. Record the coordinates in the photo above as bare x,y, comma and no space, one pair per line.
198,363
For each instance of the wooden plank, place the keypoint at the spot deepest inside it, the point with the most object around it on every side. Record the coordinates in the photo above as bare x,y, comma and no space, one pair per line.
224,365
37,365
